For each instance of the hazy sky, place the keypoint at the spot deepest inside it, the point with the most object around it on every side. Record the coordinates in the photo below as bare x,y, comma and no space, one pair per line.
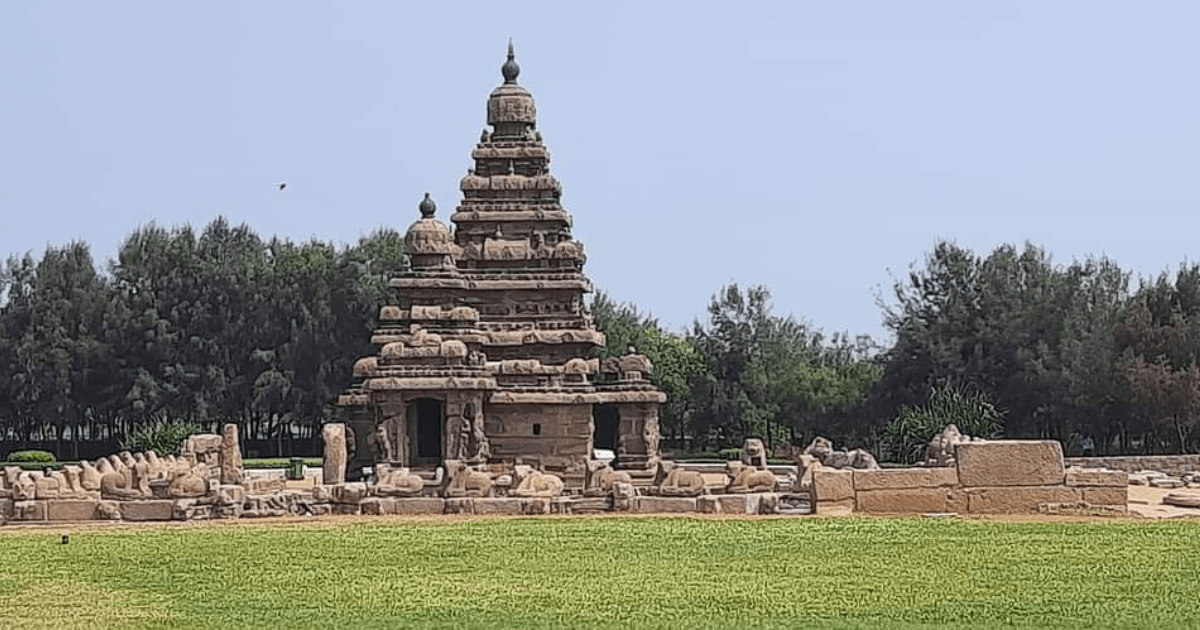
807,146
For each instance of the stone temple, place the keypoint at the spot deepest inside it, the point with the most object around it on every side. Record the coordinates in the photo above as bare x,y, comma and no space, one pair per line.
487,354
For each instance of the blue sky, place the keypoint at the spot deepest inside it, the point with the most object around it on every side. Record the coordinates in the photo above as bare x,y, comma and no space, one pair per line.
810,147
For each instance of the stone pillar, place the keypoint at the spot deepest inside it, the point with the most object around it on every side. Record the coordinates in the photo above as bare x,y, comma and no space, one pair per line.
334,435
231,456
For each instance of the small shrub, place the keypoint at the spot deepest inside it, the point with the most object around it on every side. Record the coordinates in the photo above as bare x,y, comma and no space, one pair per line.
971,410
33,457
164,437
730,454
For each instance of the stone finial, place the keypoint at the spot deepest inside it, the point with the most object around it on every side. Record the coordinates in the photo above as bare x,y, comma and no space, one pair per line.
510,69
427,207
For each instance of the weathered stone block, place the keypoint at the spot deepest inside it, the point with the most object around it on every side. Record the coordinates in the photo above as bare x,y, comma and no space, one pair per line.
1107,495
725,504
1097,478
351,509
29,511
6,508
663,505
897,478
1010,463
147,510
349,492
1017,499
903,501
108,511
832,485
231,495
536,506
375,506
66,510
419,505
763,503
842,507
956,500
460,505
498,506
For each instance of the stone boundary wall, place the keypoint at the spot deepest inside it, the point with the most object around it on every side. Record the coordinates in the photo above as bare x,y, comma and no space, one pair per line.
1174,465
992,477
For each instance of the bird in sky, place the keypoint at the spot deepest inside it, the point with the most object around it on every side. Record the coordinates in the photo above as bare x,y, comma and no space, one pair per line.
283,185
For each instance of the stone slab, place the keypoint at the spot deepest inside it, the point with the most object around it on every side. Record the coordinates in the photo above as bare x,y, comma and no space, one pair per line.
1106,495
536,506
843,507
728,504
1017,499
147,510
903,501
1010,463
419,505
499,507
897,478
956,501
832,485
1097,478
664,505
29,510
6,508
79,510
1182,499
375,506
460,505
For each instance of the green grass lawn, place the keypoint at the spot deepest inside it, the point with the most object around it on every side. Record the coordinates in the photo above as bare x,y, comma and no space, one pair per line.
607,572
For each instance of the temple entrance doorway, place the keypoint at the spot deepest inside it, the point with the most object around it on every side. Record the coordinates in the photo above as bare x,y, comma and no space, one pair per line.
426,417
607,419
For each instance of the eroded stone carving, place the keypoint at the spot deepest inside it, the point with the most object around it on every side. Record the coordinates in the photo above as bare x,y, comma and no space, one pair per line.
941,450
823,450
334,436
231,455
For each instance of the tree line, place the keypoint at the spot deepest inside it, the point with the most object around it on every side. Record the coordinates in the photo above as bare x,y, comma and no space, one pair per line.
225,326
220,326
1006,345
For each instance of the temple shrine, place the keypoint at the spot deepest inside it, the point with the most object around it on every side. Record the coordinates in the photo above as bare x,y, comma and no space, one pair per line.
487,357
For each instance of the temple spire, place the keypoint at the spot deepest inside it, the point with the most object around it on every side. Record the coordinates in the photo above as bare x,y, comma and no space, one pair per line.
510,69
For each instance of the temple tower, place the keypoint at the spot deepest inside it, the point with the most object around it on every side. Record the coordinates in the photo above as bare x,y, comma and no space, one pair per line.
487,356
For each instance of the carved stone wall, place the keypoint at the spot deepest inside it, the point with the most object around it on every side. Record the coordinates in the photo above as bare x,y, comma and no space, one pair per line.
553,434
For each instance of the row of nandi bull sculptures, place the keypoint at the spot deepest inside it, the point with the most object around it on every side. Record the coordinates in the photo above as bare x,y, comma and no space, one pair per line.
205,462
206,481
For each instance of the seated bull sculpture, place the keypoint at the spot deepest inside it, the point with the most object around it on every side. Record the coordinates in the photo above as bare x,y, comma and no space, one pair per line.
746,479
396,482
534,483
467,482
675,481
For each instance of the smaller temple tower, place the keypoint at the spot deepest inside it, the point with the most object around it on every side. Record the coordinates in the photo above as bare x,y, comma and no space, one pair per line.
488,356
